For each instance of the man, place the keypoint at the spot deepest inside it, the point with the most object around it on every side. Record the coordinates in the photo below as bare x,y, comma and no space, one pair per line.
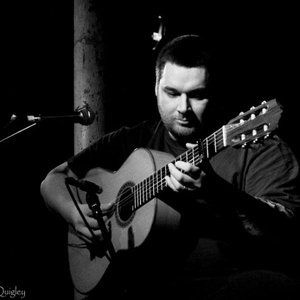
237,208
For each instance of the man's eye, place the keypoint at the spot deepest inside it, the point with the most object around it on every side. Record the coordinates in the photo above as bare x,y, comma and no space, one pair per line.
172,94
198,95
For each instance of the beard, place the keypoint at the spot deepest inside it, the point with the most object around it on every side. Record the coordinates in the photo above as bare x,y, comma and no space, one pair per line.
182,132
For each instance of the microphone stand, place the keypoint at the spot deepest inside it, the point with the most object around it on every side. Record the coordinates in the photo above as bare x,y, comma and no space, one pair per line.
94,204
92,190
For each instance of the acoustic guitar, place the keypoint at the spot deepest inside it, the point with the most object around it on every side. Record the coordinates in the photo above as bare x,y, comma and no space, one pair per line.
135,188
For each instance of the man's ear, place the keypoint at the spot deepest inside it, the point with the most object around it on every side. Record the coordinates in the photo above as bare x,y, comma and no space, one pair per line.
156,88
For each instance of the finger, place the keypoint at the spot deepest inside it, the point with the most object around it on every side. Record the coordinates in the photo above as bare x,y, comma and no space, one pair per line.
93,223
193,172
85,233
175,179
186,167
98,233
170,184
177,186
88,236
107,208
175,172
183,176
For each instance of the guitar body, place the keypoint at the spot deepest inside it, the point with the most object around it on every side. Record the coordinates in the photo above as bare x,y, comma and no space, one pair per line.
128,230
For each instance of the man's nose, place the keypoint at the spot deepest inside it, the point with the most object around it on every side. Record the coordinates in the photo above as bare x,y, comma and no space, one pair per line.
183,104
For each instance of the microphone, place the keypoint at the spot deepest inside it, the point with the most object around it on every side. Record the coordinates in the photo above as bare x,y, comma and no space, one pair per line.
83,115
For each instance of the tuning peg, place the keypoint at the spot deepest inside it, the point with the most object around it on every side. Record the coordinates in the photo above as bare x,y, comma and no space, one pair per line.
264,110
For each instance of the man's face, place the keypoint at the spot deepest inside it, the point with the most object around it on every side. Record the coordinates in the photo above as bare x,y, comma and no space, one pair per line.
182,100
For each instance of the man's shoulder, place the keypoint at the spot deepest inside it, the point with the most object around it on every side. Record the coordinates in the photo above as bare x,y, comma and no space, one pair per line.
138,134
145,128
146,125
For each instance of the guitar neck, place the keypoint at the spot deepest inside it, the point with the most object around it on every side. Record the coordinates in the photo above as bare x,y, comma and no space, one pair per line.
153,185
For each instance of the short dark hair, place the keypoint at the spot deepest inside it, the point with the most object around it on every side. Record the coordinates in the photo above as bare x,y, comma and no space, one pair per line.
186,51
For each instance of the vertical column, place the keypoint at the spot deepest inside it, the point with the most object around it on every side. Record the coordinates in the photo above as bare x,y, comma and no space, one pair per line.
88,70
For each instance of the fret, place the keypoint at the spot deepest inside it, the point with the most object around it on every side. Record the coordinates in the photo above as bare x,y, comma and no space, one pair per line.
190,156
158,180
134,197
193,156
215,142
148,188
143,192
161,179
197,154
151,185
224,136
165,173
136,200
139,194
205,145
156,183
148,191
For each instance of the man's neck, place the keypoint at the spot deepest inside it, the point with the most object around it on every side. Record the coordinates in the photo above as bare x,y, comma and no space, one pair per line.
183,140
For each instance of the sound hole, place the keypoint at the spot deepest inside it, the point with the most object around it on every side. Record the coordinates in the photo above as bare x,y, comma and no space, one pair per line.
124,211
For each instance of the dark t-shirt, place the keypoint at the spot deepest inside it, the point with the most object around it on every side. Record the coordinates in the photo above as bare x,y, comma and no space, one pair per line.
267,171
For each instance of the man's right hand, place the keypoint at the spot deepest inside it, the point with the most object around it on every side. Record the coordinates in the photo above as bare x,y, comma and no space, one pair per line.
80,226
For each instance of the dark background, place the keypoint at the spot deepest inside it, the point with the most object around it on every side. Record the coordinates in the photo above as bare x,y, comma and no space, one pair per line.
257,48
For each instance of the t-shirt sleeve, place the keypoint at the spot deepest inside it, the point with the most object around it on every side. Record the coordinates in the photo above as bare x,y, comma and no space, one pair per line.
273,176
110,151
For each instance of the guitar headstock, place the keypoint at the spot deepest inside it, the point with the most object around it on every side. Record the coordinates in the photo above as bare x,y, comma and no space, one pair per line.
253,125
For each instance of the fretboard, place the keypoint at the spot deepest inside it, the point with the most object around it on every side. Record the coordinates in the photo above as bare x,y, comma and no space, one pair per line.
153,185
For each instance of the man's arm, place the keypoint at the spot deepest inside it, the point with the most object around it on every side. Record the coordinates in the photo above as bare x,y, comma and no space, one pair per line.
58,199
55,193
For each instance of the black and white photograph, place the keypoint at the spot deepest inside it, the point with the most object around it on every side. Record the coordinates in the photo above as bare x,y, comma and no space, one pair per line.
149,150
